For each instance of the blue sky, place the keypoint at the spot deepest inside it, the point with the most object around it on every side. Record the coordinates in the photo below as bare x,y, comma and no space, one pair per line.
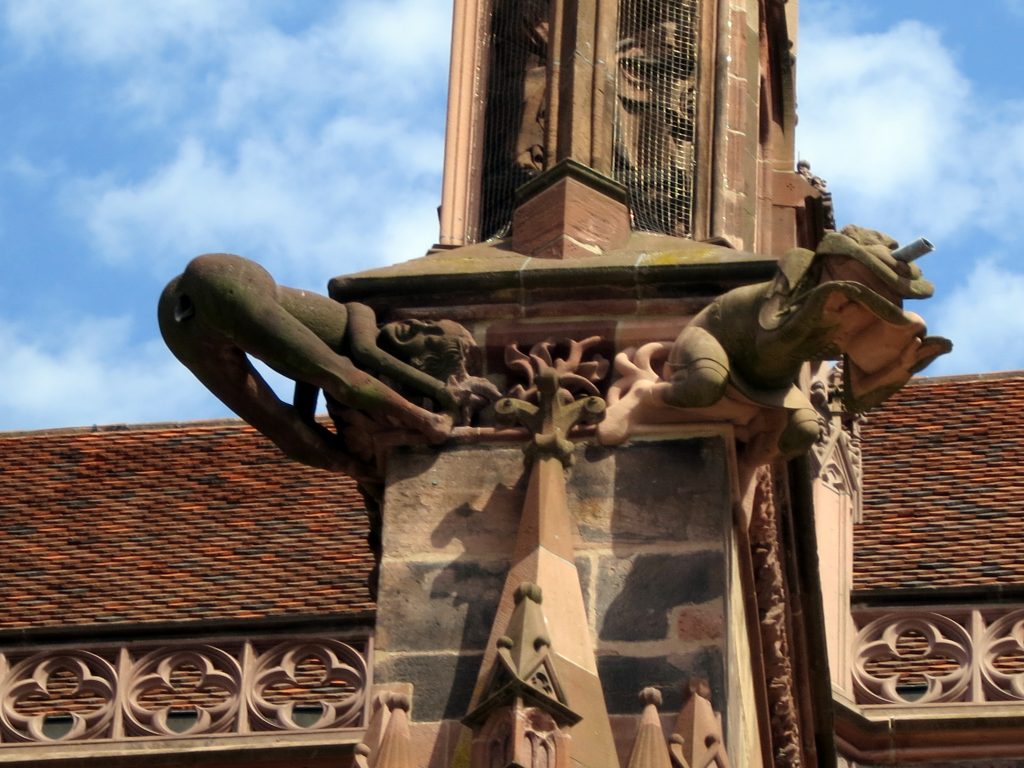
309,136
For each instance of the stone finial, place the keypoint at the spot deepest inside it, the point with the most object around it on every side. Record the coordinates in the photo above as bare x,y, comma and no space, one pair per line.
527,590
649,749
392,749
651,696
397,700
395,748
524,665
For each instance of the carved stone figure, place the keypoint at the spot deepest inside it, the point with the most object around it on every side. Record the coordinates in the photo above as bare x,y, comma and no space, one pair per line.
654,147
740,357
223,308
844,298
516,120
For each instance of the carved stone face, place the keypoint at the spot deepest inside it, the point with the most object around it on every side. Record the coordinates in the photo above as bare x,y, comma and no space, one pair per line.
437,347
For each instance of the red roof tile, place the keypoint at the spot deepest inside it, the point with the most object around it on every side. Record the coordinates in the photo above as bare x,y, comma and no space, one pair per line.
208,521
173,523
943,486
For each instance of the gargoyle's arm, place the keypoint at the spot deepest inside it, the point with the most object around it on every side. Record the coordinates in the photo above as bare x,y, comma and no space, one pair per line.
362,339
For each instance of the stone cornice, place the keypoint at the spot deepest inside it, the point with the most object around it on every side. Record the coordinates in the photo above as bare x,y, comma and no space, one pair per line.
898,736
649,267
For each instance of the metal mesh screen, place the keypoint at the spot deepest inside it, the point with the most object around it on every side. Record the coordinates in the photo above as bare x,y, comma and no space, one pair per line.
514,119
655,152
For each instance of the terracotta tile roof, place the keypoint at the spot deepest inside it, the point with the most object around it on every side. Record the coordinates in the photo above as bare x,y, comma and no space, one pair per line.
944,489
173,523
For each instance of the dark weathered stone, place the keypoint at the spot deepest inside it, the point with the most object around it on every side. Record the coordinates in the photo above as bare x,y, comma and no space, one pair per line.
623,676
439,606
442,683
635,595
670,491
583,569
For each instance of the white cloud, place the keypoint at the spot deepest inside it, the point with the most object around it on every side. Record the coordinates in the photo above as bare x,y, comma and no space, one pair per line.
90,372
316,151
27,171
307,137
983,318
359,60
894,125
101,31
880,118
299,206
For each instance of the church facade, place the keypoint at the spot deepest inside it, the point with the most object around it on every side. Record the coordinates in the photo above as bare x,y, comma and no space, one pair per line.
604,442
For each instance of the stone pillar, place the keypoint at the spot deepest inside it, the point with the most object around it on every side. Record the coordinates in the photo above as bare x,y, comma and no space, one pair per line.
651,554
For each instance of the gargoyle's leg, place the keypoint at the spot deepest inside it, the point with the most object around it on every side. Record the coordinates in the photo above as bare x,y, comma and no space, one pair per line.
697,370
296,333
801,432
226,371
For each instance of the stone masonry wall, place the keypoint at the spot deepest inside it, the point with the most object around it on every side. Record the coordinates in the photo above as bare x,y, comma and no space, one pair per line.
653,521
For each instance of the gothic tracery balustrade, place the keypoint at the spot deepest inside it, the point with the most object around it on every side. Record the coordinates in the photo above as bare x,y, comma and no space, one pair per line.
920,657
170,690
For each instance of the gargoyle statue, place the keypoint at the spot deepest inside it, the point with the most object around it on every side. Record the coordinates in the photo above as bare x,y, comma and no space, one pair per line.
224,307
845,298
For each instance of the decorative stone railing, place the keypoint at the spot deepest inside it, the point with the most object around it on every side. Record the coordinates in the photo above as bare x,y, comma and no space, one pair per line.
916,656
223,687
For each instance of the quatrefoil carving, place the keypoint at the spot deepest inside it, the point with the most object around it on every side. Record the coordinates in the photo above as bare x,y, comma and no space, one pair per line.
930,649
324,679
204,681
75,684
1003,658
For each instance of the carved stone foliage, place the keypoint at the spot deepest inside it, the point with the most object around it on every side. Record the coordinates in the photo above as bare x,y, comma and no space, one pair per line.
916,656
182,689
546,406
836,454
775,640
579,368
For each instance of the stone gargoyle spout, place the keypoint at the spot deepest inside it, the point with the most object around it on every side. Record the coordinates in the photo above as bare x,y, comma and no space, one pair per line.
845,298
223,308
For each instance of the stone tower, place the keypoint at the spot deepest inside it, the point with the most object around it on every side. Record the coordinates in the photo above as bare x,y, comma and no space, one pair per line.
583,423
687,105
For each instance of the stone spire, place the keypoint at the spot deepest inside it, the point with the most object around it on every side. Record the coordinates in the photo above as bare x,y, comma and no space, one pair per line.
650,749
697,736
543,560
394,749
523,712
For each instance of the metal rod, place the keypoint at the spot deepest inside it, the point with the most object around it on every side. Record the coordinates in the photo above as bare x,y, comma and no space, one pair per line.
913,250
